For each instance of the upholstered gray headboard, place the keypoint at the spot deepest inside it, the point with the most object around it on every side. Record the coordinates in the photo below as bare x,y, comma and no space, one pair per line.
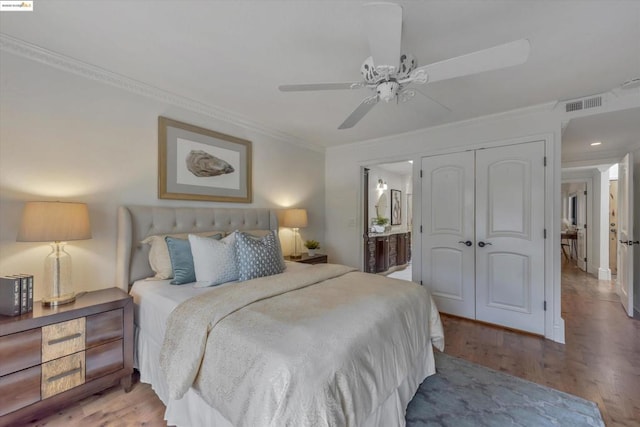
135,223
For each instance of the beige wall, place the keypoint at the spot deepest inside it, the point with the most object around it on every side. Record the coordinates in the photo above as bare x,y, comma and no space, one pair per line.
65,137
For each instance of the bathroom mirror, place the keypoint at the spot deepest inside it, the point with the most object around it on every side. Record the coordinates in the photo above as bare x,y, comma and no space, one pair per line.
382,206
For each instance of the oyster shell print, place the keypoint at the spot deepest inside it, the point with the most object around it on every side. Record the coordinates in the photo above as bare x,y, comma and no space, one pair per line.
203,164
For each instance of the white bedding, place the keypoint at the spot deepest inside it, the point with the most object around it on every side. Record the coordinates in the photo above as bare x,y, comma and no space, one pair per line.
156,299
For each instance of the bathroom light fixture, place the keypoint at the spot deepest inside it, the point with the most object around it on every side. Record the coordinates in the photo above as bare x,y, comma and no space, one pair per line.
593,144
381,185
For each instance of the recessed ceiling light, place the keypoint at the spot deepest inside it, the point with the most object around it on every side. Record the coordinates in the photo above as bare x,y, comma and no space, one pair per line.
410,161
593,144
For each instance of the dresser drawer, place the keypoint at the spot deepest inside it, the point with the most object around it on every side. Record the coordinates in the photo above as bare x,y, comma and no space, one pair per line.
20,351
62,374
61,339
19,389
105,327
104,359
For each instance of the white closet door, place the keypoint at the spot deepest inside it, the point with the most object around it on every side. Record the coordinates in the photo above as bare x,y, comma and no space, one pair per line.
510,236
448,222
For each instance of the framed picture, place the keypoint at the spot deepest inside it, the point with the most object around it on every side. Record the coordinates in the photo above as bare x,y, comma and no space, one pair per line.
396,207
199,164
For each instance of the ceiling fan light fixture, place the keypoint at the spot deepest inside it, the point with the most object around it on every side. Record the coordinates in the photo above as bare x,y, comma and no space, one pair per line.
388,90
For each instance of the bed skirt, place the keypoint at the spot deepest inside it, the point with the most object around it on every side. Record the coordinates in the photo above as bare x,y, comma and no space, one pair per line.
193,411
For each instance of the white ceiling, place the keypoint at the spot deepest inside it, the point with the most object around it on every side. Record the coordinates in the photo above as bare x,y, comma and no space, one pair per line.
617,131
234,54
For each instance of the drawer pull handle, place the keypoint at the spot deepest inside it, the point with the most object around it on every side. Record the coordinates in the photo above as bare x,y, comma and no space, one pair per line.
64,374
63,339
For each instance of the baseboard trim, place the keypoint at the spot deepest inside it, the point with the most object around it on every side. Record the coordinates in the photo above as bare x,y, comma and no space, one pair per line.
604,274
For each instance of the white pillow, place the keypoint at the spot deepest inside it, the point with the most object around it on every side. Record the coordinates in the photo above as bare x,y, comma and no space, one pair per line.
214,261
159,258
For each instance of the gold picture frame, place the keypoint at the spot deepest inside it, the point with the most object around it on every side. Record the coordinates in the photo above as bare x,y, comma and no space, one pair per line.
200,164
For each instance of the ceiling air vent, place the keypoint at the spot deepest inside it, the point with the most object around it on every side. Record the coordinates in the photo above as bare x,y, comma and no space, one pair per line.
583,104
573,106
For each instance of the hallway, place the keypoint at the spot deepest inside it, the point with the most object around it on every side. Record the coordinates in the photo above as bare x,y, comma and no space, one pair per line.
600,360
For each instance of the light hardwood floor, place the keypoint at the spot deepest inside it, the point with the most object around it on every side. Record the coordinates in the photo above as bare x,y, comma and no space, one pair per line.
600,361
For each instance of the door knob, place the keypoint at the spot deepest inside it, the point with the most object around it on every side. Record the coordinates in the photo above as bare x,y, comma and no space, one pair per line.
468,242
483,244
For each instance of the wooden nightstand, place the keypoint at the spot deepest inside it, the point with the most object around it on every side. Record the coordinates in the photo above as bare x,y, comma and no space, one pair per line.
53,356
309,259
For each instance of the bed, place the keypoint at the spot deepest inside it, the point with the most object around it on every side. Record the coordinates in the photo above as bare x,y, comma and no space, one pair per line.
314,345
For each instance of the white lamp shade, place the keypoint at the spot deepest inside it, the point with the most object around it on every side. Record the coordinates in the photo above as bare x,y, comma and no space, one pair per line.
54,222
295,218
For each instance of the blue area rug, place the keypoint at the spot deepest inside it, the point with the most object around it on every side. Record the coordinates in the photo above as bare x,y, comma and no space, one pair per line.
463,394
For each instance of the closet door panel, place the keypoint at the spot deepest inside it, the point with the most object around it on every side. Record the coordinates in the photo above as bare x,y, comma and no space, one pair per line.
447,222
510,236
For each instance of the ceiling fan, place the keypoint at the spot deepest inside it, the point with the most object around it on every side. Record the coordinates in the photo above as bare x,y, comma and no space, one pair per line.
390,74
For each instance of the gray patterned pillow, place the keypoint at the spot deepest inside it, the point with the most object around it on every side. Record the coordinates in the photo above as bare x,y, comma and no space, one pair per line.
258,257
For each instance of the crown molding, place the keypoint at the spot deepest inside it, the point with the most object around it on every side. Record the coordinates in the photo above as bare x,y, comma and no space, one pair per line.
36,53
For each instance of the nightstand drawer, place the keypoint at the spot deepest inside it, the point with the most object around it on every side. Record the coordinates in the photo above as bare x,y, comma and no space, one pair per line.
19,389
62,338
104,359
105,327
20,351
62,374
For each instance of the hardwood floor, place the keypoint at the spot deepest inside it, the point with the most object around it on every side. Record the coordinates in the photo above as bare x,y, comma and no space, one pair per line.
600,361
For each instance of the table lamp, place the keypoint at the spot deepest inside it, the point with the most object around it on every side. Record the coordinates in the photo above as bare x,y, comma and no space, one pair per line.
56,222
295,219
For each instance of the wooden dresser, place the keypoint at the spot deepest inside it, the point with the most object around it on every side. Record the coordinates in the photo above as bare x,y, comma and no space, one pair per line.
54,356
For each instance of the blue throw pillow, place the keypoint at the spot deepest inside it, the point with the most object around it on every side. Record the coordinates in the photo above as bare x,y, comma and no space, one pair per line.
258,257
181,261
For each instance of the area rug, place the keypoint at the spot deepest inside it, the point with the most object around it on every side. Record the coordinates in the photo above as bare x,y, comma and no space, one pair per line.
462,394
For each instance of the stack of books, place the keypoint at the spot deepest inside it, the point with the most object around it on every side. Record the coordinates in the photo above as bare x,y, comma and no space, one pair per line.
16,294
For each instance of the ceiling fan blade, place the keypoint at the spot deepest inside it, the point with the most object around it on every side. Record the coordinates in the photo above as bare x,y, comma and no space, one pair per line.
504,55
383,24
365,106
437,103
320,86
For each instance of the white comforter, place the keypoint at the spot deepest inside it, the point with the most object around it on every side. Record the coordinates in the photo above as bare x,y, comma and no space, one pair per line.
320,347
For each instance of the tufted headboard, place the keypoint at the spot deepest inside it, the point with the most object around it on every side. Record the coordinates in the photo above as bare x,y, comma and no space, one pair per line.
135,223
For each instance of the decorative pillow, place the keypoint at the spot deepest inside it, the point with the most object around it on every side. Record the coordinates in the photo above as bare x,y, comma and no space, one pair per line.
256,233
258,257
214,261
181,261
159,259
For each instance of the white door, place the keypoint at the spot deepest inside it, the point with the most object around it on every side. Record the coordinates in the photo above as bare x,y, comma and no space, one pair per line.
448,268
483,234
624,284
510,236
581,228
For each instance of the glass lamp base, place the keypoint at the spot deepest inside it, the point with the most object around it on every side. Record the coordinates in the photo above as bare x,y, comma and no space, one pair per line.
57,277
60,300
